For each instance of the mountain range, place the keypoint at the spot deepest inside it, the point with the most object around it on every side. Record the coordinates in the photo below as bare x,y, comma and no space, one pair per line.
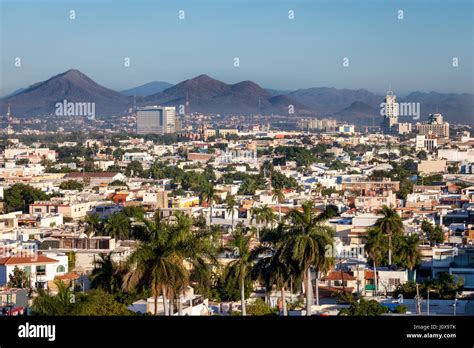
209,95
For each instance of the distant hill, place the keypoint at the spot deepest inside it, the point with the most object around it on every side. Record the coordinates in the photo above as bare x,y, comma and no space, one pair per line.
72,85
327,100
359,113
147,89
456,108
206,94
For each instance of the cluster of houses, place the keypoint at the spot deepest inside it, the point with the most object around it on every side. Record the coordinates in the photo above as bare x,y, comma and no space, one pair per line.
48,241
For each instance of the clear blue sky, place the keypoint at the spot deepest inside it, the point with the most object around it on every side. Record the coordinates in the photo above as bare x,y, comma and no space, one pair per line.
410,54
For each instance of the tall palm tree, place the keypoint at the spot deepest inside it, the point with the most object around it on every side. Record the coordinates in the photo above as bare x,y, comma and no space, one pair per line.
410,253
391,225
159,262
106,274
241,267
231,203
307,244
273,270
118,226
376,248
267,215
208,195
278,196
257,216
92,225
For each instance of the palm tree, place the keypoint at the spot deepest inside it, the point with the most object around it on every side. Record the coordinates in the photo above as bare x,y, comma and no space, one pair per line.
106,274
54,305
410,253
208,195
375,247
93,225
257,216
231,204
242,266
118,226
267,215
391,225
279,196
274,271
307,244
159,262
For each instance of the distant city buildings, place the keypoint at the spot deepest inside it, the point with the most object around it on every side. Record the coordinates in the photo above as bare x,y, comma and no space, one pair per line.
157,120
435,127
325,124
346,129
390,112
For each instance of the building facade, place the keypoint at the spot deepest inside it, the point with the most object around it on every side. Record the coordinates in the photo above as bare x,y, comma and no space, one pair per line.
156,120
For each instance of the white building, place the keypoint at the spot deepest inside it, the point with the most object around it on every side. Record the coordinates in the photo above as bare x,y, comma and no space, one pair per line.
40,268
156,120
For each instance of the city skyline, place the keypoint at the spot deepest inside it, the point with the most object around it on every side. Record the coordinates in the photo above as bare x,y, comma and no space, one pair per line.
273,50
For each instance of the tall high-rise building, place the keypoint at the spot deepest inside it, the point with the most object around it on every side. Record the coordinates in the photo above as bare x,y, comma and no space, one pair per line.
156,120
391,113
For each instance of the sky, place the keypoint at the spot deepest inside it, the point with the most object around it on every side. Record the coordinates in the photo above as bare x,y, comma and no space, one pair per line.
410,54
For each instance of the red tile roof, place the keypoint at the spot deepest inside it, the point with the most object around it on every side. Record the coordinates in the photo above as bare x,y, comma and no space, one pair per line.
18,260
336,275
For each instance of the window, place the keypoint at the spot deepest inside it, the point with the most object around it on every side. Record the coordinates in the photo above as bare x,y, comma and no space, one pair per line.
394,281
60,269
27,270
40,270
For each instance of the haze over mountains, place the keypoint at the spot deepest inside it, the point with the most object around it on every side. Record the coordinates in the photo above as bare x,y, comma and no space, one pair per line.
147,89
209,95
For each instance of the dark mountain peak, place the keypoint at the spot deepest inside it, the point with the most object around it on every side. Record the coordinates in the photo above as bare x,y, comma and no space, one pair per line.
202,79
40,98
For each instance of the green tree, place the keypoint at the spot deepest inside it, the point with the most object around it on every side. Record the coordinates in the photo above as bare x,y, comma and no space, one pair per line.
260,308
363,307
409,252
118,226
231,204
390,225
240,268
158,263
71,185
208,194
19,196
279,196
106,275
99,303
18,279
134,168
93,225
376,248
55,305
435,234
307,244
